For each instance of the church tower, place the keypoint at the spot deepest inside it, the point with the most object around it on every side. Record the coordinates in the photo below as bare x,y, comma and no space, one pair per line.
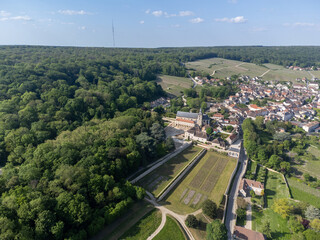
199,119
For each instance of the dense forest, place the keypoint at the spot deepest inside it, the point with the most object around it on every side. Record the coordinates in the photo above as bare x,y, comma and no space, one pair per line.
76,122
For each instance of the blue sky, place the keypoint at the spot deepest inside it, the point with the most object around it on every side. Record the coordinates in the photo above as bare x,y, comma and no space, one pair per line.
161,23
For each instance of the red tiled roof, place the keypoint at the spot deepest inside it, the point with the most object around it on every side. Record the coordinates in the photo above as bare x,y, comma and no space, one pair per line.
243,233
184,120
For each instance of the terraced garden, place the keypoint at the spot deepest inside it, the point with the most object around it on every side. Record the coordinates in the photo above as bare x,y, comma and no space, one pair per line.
208,179
156,181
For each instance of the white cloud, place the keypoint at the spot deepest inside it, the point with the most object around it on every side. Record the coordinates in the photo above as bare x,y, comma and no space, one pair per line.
82,28
73,12
299,24
185,13
175,25
239,19
4,14
197,20
141,22
158,13
16,18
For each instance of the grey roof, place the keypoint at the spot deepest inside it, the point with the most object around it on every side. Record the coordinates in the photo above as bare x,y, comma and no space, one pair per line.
187,115
234,149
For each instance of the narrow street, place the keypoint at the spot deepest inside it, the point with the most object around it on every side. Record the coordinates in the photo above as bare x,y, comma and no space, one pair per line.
230,221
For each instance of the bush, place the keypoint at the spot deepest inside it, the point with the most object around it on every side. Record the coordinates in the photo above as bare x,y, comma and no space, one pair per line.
209,208
191,221
241,213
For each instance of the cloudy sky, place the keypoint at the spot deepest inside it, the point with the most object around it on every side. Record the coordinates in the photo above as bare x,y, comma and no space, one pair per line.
159,23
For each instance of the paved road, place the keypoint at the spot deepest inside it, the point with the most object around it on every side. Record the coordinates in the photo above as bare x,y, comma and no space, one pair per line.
231,208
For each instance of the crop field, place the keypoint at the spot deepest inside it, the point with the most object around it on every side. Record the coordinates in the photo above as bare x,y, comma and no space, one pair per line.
174,85
208,179
303,192
155,181
221,68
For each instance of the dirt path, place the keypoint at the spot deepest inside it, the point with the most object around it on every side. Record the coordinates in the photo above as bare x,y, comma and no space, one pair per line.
249,216
264,73
165,211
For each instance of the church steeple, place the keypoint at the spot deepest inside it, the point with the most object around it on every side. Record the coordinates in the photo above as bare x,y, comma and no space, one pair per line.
199,119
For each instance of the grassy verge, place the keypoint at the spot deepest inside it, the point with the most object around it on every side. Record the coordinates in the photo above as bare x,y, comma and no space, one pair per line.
145,227
208,179
157,180
170,231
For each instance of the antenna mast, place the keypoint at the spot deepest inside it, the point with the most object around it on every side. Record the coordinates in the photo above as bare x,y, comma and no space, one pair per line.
113,34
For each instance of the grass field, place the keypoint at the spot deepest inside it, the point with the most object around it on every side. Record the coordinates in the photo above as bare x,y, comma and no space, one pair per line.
312,165
145,227
302,192
170,231
275,188
155,181
225,68
174,85
208,179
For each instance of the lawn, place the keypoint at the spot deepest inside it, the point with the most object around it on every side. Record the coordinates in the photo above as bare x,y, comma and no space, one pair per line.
302,192
145,227
225,68
275,188
278,224
174,85
170,231
208,179
157,180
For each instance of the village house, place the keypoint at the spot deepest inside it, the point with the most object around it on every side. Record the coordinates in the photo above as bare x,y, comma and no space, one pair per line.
246,185
241,233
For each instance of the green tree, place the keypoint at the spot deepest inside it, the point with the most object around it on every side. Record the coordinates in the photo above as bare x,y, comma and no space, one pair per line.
315,224
312,212
209,130
241,213
294,225
266,229
216,231
209,208
282,207
191,221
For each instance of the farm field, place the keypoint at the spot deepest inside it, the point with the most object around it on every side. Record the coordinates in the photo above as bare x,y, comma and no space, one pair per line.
174,85
275,188
208,179
225,68
302,192
170,231
155,181
144,227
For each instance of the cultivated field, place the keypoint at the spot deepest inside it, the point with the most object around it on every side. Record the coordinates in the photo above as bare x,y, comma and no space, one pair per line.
221,68
174,85
155,181
208,179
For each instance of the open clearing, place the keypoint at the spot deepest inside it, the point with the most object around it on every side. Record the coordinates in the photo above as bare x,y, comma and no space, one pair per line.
225,68
155,181
208,179
174,85
170,231
275,189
